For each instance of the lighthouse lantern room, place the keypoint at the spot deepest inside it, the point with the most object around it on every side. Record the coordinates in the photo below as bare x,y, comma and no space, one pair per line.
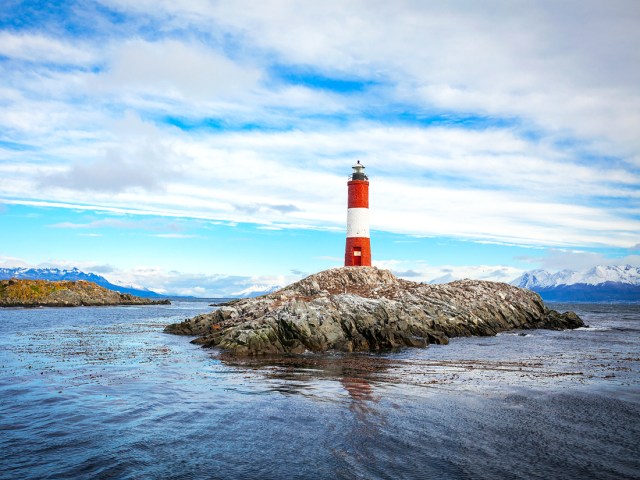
358,248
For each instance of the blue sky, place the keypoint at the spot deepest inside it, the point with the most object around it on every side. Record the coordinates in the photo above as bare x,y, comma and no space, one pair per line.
202,147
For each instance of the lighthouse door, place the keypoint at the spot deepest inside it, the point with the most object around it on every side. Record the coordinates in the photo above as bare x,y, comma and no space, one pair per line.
357,256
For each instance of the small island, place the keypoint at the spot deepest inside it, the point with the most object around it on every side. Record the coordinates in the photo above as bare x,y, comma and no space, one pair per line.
44,293
358,309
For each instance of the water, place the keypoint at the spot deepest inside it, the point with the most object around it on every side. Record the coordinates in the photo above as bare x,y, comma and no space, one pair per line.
103,393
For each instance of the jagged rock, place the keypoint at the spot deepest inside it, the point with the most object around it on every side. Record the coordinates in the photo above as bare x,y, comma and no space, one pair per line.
44,293
368,309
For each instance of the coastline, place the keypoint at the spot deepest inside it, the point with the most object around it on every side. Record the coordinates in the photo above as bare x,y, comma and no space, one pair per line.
44,293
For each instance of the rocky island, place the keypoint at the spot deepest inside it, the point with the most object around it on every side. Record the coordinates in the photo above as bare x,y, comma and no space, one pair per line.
368,309
44,293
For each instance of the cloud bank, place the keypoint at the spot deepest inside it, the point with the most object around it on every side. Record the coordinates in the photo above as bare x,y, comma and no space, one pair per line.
496,121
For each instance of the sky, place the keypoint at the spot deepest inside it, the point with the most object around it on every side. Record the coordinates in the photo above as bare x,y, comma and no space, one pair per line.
203,147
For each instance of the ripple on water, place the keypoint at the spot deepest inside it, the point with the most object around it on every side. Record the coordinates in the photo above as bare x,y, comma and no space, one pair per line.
97,393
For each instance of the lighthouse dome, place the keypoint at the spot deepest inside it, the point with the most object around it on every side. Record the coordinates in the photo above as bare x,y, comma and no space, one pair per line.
358,172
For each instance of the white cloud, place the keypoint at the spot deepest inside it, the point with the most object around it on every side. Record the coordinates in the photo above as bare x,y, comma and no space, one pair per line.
175,235
174,69
564,66
195,284
419,271
559,168
12,262
124,224
42,48
137,156
578,260
169,282
145,169
499,187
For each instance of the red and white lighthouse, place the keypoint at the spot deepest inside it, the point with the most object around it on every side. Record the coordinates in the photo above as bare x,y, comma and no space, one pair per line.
358,249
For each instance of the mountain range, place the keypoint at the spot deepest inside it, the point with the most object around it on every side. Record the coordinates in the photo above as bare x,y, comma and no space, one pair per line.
56,274
257,290
603,283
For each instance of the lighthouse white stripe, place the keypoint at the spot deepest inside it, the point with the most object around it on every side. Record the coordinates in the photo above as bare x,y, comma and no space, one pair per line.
357,222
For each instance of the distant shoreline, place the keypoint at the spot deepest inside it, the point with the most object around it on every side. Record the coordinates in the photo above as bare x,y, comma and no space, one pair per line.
19,293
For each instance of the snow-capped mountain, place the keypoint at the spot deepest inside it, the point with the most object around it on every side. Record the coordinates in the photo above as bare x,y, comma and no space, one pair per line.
57,274
53,274
601,283
256,291
594,276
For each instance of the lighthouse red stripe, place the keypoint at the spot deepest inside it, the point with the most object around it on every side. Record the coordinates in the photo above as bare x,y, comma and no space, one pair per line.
362,258
358,194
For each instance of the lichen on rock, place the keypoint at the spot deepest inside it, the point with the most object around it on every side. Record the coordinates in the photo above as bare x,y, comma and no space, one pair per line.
368,309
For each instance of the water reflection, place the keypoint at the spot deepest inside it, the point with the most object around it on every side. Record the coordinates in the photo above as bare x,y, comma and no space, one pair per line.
466,364
348,381
357,375
361,394
314,367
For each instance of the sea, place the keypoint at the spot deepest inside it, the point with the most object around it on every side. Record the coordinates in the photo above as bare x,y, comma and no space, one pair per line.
102,392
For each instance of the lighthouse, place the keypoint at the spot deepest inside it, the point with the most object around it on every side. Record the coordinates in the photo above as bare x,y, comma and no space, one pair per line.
358,250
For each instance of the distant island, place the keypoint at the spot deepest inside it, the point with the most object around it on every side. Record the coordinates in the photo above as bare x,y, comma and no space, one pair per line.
74,274
368,309
45,293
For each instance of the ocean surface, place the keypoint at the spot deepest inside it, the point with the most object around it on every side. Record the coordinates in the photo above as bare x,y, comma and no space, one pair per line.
103,393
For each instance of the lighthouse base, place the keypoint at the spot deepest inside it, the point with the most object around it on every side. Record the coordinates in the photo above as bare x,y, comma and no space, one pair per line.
357,252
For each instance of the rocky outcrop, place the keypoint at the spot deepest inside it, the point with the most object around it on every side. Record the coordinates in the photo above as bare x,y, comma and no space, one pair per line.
368,309
44,293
